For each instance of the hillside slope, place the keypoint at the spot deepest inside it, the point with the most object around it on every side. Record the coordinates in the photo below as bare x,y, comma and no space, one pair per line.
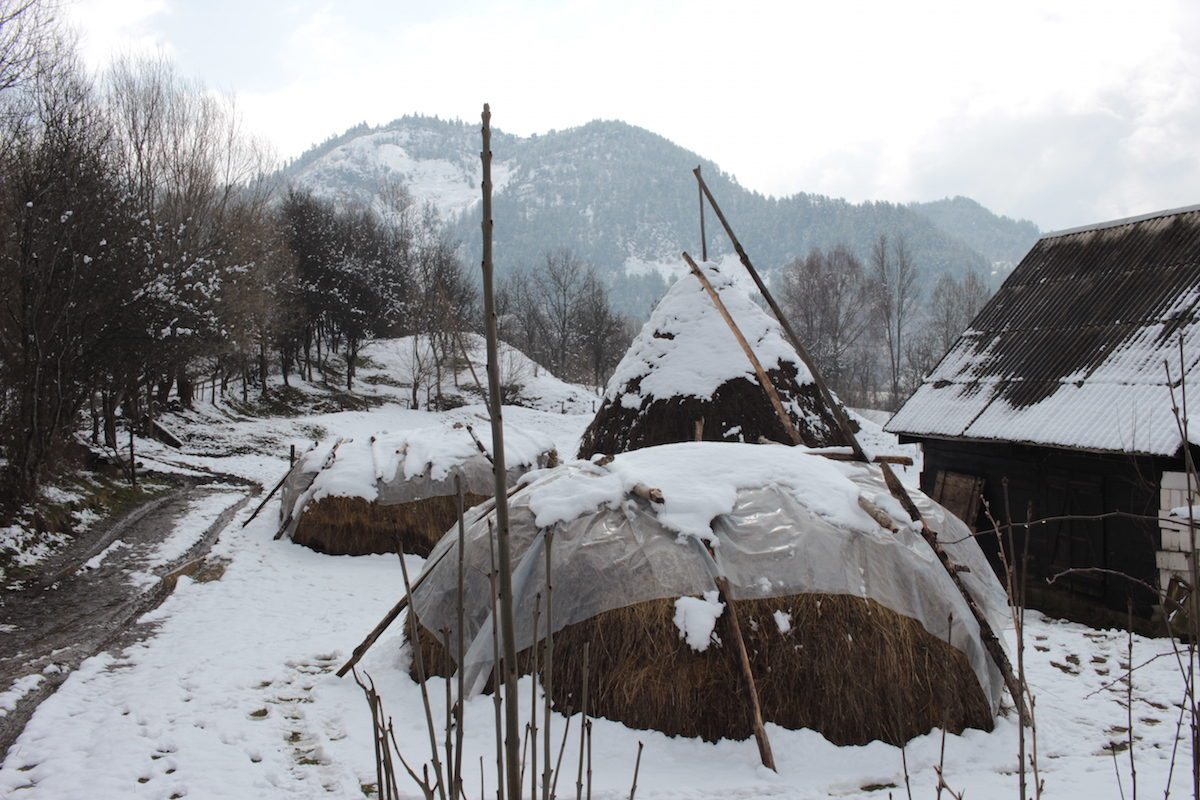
624,199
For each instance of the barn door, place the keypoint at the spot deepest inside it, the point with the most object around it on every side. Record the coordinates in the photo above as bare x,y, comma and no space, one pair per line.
1072,543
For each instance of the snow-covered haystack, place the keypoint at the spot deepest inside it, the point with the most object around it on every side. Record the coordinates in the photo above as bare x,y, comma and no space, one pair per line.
852,629
363,495
685,367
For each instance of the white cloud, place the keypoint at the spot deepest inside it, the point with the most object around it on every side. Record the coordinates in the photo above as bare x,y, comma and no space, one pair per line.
1063,113
110,27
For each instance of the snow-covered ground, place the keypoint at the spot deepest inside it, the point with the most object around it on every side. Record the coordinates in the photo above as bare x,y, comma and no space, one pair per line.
232,694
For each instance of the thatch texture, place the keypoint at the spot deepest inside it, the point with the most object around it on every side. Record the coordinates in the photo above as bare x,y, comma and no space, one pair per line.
355,496
848,668
738,411
340,526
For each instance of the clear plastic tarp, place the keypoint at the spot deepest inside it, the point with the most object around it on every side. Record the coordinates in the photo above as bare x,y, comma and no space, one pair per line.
769,545
373,469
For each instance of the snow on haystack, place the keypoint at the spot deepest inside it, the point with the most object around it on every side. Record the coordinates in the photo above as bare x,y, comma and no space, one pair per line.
786,529
356,496
696,618
686,366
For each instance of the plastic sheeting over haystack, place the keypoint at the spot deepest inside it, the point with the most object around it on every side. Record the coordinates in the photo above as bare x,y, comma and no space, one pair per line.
780,520
335,490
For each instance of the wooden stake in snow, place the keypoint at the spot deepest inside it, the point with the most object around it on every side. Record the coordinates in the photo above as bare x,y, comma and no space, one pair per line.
990,641
512,732
897,490
329,459
835,408
756,720
763,379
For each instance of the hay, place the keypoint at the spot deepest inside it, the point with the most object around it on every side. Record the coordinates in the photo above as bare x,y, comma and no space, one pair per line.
848,668
353,526
738,411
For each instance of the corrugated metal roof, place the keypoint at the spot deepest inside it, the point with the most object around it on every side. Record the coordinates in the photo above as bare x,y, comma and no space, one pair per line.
1071,351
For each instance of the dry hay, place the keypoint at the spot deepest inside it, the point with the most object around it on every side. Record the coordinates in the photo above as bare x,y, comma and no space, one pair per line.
848,668
739,410
340,526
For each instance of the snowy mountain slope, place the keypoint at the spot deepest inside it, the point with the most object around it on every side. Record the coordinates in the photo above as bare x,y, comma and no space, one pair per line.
1002,240
621,197
437,162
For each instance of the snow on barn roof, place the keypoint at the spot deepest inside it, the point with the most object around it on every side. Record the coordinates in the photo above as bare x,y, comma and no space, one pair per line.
1070,351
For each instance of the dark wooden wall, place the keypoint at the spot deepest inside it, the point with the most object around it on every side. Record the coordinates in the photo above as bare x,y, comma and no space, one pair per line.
1048,482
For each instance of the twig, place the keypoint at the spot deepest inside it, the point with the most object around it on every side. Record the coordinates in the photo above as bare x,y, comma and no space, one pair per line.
637,765
419,657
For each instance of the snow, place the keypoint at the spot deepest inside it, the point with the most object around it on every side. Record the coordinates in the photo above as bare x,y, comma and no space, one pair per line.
449,184
190,528
700,481
95,561
360,464
696,617
20,688
1118,399
231,692
687,349
783,621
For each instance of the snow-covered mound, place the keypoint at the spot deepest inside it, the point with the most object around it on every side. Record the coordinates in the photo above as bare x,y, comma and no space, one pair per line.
401,363
782,521
365,467
686,371
686,347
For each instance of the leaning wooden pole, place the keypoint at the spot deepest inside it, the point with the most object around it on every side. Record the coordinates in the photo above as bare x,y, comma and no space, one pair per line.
990,640
743,656
765,380
835,407
512,733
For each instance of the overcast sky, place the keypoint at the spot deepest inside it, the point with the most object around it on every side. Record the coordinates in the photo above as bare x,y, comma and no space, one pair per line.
1064,113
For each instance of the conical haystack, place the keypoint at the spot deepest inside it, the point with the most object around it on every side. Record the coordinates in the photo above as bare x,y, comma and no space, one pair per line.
368,494
852,629
686,373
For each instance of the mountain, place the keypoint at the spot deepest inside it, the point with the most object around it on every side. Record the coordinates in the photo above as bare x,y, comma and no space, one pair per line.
1003,241
624,199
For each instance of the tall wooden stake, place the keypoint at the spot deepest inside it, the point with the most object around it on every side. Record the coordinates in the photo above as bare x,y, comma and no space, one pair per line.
835,408
990,641
512,732
703,238
763,378
743,656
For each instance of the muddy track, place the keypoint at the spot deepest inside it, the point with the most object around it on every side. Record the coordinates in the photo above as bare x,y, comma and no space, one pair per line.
75,611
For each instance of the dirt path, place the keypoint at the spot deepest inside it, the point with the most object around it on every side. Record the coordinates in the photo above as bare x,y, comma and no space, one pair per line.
90,595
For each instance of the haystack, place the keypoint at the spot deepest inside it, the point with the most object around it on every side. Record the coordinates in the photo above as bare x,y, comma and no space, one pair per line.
853,630
685,369
357,496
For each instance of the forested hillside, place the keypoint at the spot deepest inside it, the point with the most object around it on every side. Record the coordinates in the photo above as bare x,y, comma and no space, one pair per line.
624,199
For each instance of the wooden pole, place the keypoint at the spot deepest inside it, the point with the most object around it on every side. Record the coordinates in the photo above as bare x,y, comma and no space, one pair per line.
271,493
512,732
328,462
760,730
703,238
763,379
990,640
835,408
387,620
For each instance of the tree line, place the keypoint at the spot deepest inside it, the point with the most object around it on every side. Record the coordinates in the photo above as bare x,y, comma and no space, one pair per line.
875,330
145,253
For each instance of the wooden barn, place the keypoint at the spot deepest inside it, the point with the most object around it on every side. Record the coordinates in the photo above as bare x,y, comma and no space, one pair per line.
1060,388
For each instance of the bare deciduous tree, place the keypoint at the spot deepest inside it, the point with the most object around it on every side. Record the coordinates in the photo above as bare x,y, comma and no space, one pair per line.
896,293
